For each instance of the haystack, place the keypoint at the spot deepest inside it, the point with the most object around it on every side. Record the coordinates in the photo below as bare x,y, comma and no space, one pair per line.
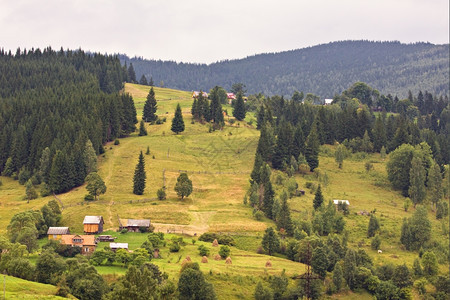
204,260
188,258
268,264
217,257
228,261
215,243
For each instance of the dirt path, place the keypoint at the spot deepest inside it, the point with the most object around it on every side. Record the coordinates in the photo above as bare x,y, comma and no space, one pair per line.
199,224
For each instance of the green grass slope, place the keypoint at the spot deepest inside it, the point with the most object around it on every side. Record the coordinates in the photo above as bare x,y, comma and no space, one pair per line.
17,288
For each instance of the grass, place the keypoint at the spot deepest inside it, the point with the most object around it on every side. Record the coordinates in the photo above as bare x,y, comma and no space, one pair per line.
219,164
17,288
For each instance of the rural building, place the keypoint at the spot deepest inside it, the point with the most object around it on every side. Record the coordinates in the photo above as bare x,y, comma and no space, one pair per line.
337,202
196,93
86,242
93,224
115,246
106,238
134,225
328,101
231,97
55,233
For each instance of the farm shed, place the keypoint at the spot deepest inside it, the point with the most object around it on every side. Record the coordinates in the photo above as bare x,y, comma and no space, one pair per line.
115,246
93,224
133,225
55,233
337,202
86,242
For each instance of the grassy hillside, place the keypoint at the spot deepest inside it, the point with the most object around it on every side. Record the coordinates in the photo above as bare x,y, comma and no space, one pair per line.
219,164
17,288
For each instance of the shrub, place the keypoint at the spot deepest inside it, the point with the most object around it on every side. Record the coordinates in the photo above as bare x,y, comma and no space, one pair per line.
222,239
161,194
174,247
123,231
88,197
116,142
203,250
259,215
224,251
376,242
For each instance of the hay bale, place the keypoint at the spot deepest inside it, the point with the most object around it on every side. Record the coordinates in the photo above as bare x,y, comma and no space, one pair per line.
228,261
217,257
188,258
268,264
204,260
215,243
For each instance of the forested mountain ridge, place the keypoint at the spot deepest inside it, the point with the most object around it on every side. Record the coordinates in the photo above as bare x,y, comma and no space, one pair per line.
55,109
325,70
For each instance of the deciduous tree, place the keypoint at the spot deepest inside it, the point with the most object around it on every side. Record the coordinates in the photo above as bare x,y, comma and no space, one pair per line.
95,185
183,187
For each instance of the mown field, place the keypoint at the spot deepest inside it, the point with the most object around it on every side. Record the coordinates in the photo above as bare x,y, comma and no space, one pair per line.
16,288
219,164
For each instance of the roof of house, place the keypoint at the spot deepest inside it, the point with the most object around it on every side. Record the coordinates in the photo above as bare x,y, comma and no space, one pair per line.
231,96
196,93
87,240
93,220
341,201
58,230
328,101
118,245
135,223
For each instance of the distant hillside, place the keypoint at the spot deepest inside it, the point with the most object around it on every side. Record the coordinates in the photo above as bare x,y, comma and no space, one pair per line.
390,67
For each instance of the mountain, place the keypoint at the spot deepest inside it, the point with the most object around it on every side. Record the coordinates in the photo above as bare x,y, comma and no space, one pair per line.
325,70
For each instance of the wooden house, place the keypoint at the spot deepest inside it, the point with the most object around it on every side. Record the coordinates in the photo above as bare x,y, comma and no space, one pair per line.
55,233
93,224
87,243
115,246
133,225
195,94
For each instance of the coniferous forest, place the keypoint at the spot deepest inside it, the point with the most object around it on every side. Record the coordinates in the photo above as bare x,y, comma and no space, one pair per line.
324,70
55,107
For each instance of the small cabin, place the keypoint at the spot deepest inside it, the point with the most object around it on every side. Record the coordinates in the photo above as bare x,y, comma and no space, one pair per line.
341,202
195,94
328,101
87,243
55,233
133,225
93,224
105,238
115,246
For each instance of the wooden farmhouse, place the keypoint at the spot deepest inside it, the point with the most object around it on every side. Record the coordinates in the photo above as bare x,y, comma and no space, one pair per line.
87,243
115,246
93,224
55,233
134,225
195,94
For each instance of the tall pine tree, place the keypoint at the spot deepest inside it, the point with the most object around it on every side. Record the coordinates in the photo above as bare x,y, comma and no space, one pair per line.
239,107
139,176
150,107
177,121
312,148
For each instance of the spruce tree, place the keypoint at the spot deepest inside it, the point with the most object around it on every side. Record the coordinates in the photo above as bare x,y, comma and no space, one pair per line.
417,175
131,74
142,130
435,183
260,119
177,121
312,148
374,225
318,198
150,107
150,82
255,175
379,135
60,180
266,143
298,143
268,193
143,80
90,157
284,216
337,276
239,108
405,236
139,176
270,241
215,109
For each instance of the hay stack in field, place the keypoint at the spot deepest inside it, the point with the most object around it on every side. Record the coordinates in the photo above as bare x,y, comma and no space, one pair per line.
268,264
215,243
204,260
188,258
228,261
217,257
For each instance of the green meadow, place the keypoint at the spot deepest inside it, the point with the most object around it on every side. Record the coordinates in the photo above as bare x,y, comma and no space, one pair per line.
219,164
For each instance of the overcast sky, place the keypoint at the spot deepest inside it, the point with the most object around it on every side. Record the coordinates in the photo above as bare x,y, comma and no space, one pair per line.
206,31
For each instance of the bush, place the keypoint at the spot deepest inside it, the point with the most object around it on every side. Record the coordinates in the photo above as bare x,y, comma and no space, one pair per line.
203,250
376,242
123,231
221,239
161,194
88,197
116,142
224,251
174,247
259,215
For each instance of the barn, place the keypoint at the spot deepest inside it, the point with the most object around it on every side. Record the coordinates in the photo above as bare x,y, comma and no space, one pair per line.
93,224
133,225
55,233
